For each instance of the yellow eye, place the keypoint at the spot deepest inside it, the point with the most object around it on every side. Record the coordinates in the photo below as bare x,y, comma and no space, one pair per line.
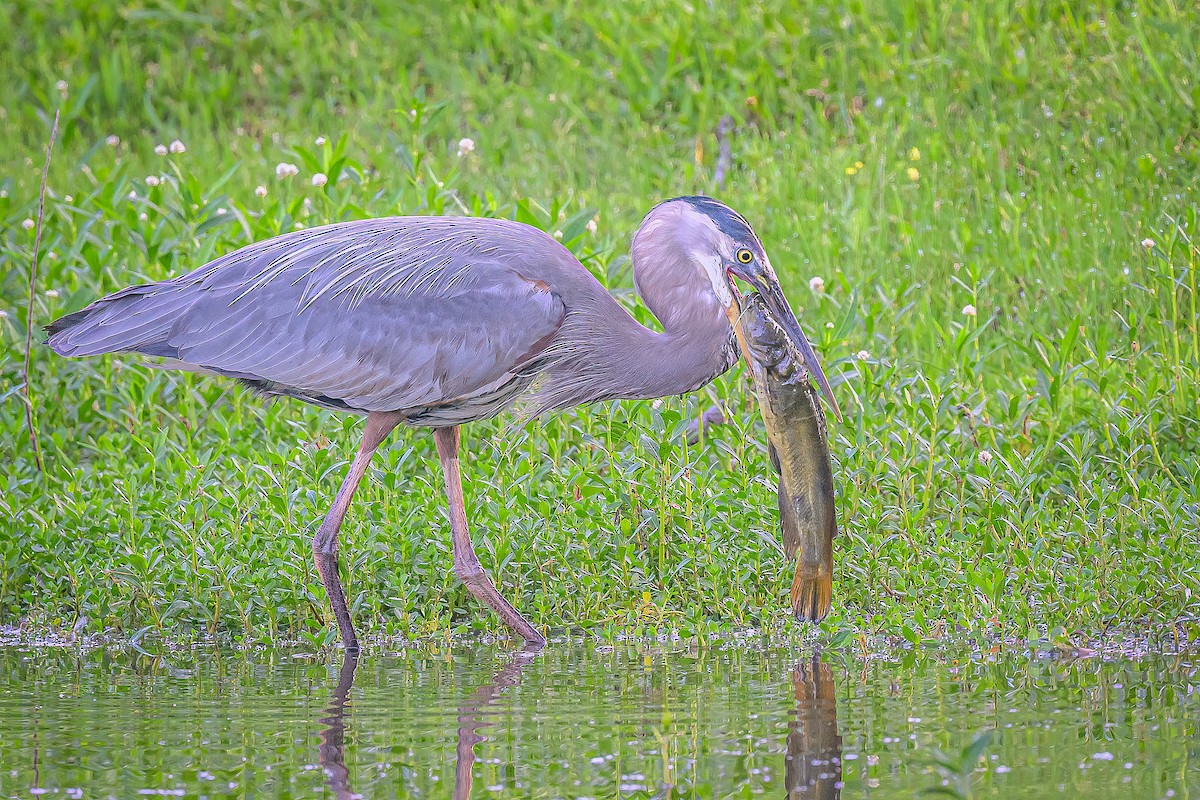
744,256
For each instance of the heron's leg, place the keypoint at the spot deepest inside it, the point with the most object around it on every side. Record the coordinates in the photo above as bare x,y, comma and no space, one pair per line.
325,543
466,564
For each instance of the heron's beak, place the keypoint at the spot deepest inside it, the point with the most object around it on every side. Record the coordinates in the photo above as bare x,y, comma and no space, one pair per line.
777,306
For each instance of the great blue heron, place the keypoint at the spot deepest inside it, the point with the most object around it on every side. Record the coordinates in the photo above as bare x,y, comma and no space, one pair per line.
438,321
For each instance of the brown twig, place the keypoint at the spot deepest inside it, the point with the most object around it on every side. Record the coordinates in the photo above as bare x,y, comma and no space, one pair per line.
724,152
33,271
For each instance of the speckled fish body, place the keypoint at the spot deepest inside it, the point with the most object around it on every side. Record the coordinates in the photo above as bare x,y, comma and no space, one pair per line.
799,449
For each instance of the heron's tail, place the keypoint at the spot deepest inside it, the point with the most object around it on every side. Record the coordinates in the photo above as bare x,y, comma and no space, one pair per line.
138,318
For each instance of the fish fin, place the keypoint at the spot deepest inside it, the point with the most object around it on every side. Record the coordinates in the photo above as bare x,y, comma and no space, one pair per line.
812,592
774,456
789,521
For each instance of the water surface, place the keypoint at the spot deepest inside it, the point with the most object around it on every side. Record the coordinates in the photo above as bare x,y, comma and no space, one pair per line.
582,720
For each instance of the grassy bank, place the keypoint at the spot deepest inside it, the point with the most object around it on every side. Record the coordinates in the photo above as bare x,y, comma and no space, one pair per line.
1026,469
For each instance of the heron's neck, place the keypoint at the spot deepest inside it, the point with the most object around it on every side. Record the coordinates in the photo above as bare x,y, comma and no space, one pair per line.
690,352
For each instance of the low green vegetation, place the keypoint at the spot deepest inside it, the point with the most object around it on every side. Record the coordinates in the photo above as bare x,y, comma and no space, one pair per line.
999,200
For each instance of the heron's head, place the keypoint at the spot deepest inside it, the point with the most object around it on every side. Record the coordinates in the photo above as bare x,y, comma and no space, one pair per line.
691,242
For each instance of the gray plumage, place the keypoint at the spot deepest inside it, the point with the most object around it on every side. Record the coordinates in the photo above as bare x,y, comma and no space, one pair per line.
445,319
438,321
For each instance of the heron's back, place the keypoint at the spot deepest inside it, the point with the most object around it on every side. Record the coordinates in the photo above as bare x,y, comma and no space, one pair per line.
443,317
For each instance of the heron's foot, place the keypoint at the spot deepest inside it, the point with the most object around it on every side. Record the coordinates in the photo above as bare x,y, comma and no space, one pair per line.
327,568
481,588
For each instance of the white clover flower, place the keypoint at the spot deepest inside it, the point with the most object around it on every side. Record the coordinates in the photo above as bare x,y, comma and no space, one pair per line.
985,457
152,180
178,147
558,234
113,141
52,293
160,149
68,198
143,216
261,191
286,170
132,195
28,224
817,284
1148,244
220,212
968,310
320,141
320,179
591,226
828,326
863,355
466,146
61,86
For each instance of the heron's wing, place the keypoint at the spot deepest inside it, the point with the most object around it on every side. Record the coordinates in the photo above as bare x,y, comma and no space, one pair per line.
380,315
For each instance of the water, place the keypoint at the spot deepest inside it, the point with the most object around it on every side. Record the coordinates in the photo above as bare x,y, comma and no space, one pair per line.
580,720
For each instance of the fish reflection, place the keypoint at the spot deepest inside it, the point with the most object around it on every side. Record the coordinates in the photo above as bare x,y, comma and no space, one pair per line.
471,717
814,748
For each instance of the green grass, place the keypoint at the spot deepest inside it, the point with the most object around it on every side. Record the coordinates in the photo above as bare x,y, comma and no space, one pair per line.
919,156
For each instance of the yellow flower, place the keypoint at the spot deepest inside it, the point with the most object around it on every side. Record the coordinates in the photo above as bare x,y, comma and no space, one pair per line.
914,155
851,170
913,174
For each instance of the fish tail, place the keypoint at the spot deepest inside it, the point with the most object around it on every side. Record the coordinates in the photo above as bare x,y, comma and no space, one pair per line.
812,591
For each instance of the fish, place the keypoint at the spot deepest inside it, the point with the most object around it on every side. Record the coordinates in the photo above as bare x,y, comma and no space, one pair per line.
798,445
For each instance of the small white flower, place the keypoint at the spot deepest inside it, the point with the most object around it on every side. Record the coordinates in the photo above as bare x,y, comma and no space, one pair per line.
261,191
298,225
28,224
3,314
319,179
52,293
286,170
1148,244
591,226
968,310
985,457
61,86
863,355
817,284
558,234
828,326
220,212
132,195
320,141
466,146
152,180
143,217
68,198
178,147
113,141
160,149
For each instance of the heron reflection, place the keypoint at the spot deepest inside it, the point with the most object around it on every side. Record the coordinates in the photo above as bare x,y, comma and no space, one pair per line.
472,717
331,751
814,747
